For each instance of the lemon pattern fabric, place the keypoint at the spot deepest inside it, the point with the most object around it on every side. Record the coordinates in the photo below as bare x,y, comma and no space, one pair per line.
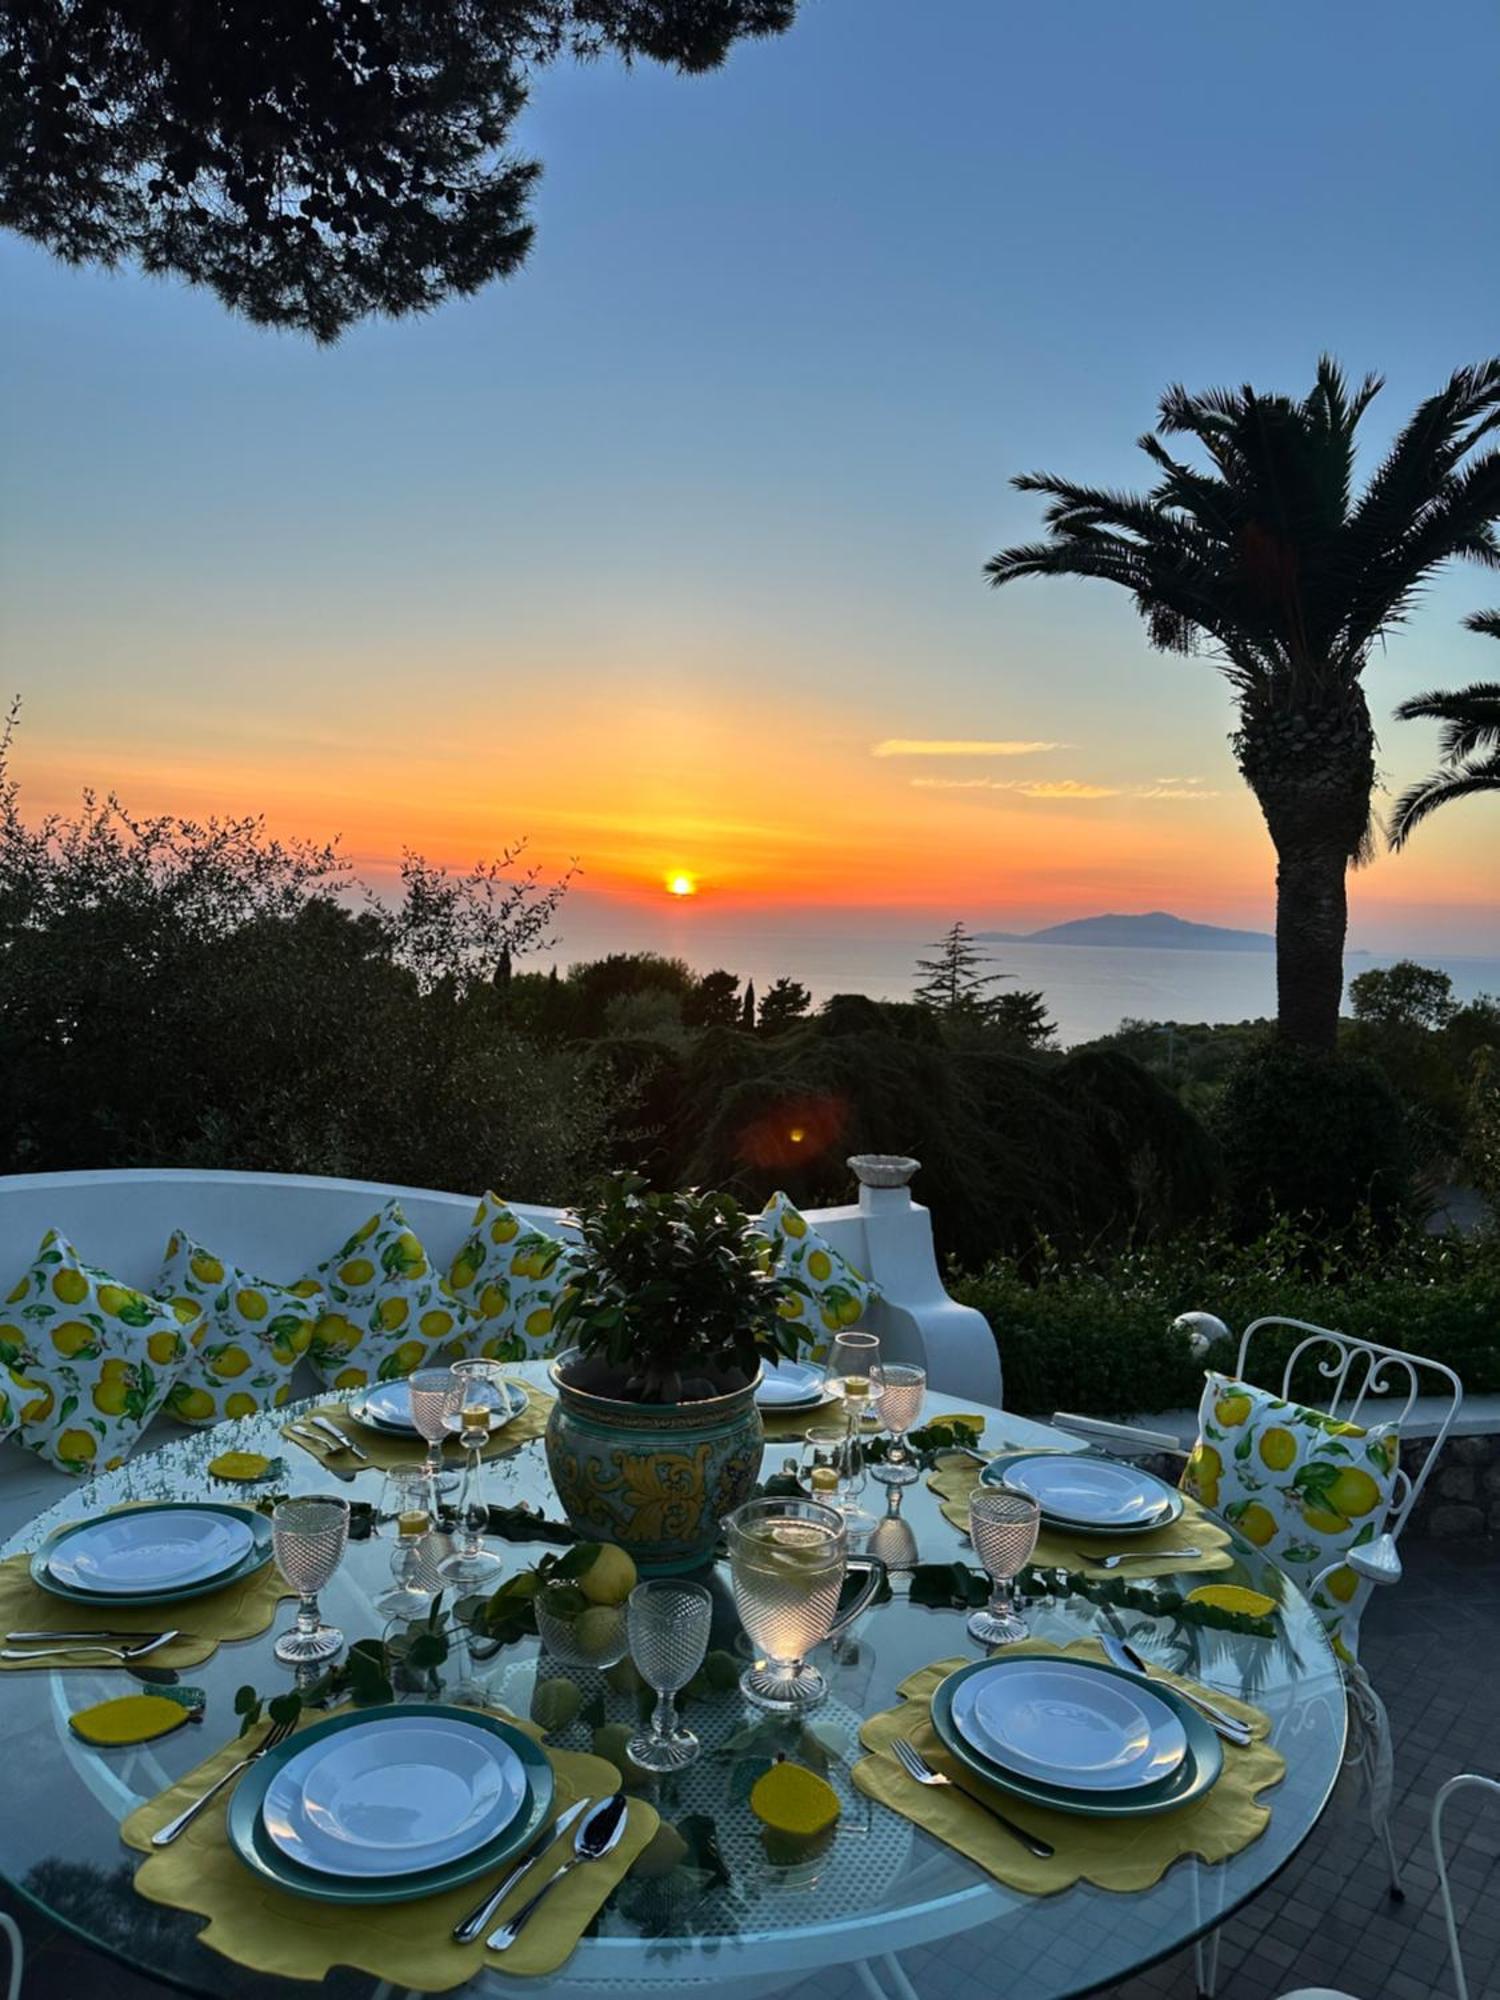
1303,1486
510,1275
835,1293
255,1334
88,1362
385,1309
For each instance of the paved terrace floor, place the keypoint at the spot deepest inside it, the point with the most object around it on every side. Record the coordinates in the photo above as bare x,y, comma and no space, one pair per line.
1433,1648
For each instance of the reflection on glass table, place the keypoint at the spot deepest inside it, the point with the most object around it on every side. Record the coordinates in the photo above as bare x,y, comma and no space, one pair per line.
884,1887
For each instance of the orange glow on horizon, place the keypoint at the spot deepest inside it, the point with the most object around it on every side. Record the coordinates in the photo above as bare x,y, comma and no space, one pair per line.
682,885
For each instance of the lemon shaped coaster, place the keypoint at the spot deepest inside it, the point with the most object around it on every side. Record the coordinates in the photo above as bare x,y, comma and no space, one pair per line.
130,1718
244,1465
1233,1597
798,1812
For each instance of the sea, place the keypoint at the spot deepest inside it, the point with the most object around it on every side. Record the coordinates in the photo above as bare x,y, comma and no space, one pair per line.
1089,989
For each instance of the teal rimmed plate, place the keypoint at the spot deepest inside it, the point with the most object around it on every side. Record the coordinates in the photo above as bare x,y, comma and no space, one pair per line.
255,1847
1200,1766
257,1558
997,1471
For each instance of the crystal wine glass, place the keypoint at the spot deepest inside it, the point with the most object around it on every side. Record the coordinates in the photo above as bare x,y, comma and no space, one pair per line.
407,1502
900,1389
481,1394
668,1624
852,1362
435,1395
1003,1528
309,1536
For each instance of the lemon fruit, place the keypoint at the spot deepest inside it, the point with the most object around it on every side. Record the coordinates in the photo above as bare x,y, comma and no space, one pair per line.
72,1287
554,1703
598,1632
610,1577
18,1291
1277,1448
1233,1597
463,1274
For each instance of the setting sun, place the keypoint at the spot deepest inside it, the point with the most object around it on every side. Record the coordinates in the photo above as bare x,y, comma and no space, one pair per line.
682,885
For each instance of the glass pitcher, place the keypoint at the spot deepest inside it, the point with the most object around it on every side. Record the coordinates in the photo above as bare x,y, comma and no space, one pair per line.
787,1562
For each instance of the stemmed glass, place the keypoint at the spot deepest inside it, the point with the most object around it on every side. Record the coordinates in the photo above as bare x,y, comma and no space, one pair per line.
309,1536
480,1394
668,1624
407,1501
435,1395
852,1362
1003,1528
900,1389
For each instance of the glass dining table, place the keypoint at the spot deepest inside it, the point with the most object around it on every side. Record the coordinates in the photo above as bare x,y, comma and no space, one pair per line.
888,1912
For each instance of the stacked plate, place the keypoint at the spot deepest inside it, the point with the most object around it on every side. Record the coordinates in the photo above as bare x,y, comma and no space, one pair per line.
153,1555
1087,1495
388,1804
388,1408
1077,1736
792,1385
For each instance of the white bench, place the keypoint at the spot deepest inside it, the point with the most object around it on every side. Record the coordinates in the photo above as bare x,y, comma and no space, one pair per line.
282,1225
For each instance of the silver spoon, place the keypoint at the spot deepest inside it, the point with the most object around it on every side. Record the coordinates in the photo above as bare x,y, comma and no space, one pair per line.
476,1920
596,1835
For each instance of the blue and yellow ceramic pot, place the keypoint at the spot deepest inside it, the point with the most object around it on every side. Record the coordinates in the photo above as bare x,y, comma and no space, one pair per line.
658,1478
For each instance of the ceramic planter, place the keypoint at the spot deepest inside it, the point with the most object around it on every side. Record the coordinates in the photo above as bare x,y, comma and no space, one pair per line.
658,1478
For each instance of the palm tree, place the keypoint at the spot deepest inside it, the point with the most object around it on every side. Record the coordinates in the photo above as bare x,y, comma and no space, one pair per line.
1470,744
1267,563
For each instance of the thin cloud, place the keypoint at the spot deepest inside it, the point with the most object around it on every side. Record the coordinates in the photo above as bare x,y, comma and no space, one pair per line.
915,746
1059,788
1164,788
1177,781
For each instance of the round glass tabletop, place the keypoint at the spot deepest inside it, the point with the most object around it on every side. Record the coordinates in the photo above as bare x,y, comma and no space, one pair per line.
887,1897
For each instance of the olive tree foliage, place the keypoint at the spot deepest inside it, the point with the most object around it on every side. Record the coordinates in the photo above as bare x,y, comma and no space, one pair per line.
311,161
184,993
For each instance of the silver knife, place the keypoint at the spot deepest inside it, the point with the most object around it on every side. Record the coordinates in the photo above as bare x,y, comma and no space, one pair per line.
321,1451
98,1632
336,1437
475,1921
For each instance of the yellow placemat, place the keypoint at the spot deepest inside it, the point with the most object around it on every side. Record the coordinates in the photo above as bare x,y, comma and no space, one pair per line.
954,1478
409,1944
1125,1855
238,1612
383,1452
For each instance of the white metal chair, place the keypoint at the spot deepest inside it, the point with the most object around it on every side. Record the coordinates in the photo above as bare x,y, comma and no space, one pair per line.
11,1932
1357,1370
1450,1921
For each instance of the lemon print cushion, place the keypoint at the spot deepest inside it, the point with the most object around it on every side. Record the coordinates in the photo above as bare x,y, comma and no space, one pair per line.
1304,1487
835,1292
254,1334
385,1309
89,1361
510,1275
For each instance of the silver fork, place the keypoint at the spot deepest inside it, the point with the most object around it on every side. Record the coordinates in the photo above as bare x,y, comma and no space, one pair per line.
336,1437
1130,1556
165,1835
321,1450
916,1766
124,1654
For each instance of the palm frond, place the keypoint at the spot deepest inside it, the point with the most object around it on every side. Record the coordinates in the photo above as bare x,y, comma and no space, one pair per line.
1470,718
1441,789
1487,622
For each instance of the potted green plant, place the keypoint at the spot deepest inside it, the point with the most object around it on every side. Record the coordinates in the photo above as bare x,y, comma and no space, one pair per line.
670,1308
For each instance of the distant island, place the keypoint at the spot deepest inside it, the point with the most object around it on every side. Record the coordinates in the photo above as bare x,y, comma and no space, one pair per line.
1156,931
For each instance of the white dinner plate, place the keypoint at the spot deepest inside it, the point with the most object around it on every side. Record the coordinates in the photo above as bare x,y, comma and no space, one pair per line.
388,1405
1068,1726
394,1798
1092,1492
791,1385
152,1550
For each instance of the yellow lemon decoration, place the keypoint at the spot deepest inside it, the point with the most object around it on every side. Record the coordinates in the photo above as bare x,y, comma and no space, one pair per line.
493,1300
231,1361
350,1378
208,1270
407,1356
1255,1523
1342,1585
819,1265
39,1408
72,1287
358,1271
194,1406
239,1465
240,1404
435,1324
129,1718
392,1314
1354,1492
1232,1411
73,1338
1277,1448
78,1447
1203,1472
253,1304
539,1323
18,1292
163,1347
1233,1597
832,1293
462,1274
793,1224
110,1398
249,1332
504,1229
1323,1520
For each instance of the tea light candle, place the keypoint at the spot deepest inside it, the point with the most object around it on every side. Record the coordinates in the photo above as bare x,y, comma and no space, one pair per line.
411,1522
823,1479
856,1388
476,1416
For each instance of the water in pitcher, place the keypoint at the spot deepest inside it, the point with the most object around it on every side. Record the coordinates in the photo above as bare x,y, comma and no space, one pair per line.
787,1574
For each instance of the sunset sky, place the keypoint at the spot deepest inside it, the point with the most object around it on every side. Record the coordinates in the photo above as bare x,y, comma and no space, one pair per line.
667,554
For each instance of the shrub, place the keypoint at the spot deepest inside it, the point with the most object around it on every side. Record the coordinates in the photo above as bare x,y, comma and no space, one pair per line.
1094,1335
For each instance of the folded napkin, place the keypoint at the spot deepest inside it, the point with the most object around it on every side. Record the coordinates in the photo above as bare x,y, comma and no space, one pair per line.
383,1450
955,1477
238,1611
408,1945
793,1425
1124,1855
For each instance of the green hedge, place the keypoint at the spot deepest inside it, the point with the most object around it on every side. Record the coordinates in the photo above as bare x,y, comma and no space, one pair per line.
1095,1335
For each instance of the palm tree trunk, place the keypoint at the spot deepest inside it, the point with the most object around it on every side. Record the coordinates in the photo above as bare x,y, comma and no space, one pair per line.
1311,765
